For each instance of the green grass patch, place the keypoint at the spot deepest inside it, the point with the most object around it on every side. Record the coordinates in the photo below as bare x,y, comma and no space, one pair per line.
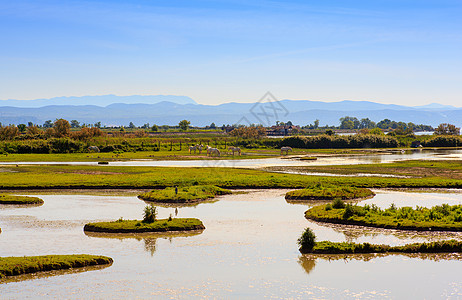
329,192
21,200
136,226
113,177
326,247
11,266
440,218
185,194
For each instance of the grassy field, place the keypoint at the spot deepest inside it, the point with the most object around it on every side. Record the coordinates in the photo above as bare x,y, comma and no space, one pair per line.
439,218
414,168
112,177
185,194
329,192
135,226
326,247
11,199
11,266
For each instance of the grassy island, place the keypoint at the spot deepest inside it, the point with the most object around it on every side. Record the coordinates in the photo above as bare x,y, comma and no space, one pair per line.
326,247
188,194
12,266
329,192
135,226
440,218
10,199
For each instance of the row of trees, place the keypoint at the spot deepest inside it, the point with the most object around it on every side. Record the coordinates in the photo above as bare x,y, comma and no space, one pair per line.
59,128
348,122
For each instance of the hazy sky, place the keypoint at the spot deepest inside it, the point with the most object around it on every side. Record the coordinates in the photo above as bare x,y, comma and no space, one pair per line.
389,51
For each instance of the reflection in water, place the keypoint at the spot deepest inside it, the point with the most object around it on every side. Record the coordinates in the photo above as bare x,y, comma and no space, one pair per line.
149,238
308,263
306,258
46,274
247,251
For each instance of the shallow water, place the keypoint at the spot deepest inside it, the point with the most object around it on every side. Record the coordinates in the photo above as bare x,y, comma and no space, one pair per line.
268,162
248,250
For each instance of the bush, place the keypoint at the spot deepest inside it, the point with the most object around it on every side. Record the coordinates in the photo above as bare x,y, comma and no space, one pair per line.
349,211
307,241
338,203
150,214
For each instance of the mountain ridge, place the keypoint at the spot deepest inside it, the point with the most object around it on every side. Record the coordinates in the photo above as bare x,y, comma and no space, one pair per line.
301,112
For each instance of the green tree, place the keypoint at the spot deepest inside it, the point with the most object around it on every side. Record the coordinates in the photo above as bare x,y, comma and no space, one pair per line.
349,123
213,126
131,125
61,128
316,124
184,125
48,124
155,128
447,129
97,125
75,124
22,127
307,241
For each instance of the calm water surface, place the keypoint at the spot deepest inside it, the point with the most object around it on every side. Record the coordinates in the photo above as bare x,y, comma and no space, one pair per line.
248,251
268,162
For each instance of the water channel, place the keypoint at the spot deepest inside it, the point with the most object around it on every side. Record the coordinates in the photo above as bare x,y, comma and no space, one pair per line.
247,251
425,154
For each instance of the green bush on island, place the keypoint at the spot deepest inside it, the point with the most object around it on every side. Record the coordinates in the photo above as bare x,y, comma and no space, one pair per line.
184,194
136,226
10,199
329,192
307,241
150,214
326,247
442,217
11,266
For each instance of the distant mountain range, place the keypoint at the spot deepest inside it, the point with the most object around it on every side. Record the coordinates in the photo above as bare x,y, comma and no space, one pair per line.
121,110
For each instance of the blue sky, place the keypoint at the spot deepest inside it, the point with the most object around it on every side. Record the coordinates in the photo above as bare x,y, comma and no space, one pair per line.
402,52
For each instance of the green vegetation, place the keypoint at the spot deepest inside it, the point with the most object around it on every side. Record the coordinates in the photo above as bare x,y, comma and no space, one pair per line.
336,141
135,226
150,214
329,192
412,168
326,247
11,266
184,194
116,177
11,199
440,218
307,241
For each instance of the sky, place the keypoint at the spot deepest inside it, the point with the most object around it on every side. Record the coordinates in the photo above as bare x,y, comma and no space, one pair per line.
387,51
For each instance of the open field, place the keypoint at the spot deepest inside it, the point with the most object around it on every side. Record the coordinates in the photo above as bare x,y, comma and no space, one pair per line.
440,218
136,226
11,266
329,192
187,194
326,247
112,177
21,200
415,168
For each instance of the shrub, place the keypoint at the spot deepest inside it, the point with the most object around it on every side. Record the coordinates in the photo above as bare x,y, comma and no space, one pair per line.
307,241
150,214
349,211
338,203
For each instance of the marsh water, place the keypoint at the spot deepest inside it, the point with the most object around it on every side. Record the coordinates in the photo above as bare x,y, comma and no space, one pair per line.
387,157
247,251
